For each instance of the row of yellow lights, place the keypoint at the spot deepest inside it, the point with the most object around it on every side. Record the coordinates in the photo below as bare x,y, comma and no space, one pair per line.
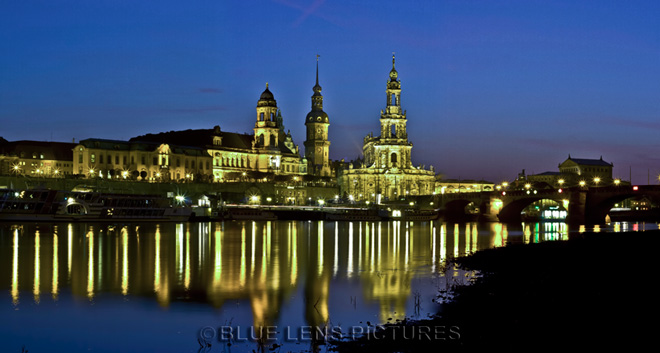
560,182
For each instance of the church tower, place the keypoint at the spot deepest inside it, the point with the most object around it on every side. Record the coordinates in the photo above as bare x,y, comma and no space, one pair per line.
266,129
317,145
392,149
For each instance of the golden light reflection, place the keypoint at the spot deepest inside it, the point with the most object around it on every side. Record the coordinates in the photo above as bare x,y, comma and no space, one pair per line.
69,249
253,245
527,234
320,247
180,251
14,271
186,279
360,264
377,260
443,242
37,263
157,261
241,278
55,284
274,261
409,247
217,258
264,257
468,237
294,253
457,232
433,249
124,260
161,277
90,264
349,268
335,266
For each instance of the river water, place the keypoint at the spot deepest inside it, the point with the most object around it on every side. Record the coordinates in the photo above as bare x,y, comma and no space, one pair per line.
197,286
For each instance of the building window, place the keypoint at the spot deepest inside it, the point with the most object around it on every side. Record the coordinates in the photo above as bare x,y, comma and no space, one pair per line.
117,159
92,158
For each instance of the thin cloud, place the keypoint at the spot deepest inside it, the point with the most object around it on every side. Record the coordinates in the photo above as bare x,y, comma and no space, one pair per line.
307,11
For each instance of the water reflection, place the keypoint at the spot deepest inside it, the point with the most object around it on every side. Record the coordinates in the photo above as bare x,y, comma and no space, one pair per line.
262,265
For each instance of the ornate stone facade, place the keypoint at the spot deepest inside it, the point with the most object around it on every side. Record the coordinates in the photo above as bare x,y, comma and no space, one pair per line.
387,171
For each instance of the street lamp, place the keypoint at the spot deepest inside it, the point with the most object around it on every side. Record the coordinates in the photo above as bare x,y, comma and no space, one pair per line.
583,183
617,182
596,180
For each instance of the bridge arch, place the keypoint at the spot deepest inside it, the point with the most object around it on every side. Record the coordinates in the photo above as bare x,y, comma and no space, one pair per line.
601,205
512,208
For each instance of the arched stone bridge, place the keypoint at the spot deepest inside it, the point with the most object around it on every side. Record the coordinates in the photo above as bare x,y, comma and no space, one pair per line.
585,205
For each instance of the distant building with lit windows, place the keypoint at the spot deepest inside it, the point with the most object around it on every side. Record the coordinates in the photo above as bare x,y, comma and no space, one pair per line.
36,158
140,160
387,171
575,172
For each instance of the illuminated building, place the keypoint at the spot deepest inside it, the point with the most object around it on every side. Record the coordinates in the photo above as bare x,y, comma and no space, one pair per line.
140,160
387,168
317,145
269,151
592,172
36,158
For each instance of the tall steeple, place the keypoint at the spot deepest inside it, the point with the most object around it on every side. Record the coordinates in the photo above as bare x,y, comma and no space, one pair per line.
317,98
317,145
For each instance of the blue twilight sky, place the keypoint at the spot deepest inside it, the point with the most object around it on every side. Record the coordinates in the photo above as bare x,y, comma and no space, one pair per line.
490,87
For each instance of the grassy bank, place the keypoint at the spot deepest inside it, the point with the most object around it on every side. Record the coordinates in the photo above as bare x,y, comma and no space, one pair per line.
594,291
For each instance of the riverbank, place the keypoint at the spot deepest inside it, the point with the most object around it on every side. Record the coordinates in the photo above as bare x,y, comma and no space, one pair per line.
594,291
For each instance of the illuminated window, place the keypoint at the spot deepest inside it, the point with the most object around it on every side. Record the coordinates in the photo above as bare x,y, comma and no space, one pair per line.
92,158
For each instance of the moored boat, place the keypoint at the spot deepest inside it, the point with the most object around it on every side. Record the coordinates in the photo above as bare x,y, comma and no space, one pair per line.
54,205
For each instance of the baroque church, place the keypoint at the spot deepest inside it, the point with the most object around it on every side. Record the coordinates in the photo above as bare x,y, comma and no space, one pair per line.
386,171
214,155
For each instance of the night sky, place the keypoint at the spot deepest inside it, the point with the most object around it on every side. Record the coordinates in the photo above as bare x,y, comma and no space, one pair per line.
490,87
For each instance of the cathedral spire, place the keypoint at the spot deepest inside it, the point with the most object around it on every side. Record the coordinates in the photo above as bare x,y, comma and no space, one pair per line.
317,69
317,87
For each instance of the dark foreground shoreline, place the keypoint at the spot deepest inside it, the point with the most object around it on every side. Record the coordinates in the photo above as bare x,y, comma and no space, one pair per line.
593,291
